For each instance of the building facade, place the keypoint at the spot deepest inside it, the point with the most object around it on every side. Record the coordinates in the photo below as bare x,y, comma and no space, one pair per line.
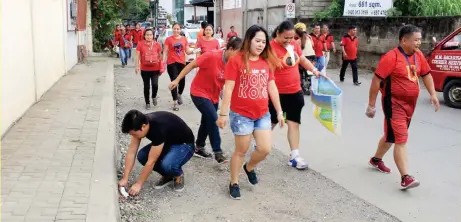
38,57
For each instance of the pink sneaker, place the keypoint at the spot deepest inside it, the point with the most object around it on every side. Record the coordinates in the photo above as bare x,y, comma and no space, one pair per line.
379,165
408,182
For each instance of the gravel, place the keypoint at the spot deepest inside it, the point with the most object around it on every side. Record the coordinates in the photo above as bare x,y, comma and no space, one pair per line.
283,194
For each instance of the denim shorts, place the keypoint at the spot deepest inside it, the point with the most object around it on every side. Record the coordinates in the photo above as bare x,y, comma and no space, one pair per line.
242,125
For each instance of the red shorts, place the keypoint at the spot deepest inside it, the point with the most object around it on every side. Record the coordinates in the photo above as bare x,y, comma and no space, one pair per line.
396,130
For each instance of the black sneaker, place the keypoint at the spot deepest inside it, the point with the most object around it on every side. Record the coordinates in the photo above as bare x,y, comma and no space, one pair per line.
178,184
154,101
220,158
357,83
180,100
148,106
163,182
234,191
252,178
202,153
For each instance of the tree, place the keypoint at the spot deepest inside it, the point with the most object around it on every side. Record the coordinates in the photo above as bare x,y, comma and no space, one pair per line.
426,8
170,18
105,15
137,10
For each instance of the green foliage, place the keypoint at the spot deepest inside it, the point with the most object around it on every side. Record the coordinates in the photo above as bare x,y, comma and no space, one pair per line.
335,9
137,10
105,15
426,8
401,8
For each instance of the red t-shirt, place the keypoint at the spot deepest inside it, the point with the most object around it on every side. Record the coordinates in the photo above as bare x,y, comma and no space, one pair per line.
328,40
138,36
318,44
401,87
287,78
122,41
209,80
117,33
200,34
208,45
250,96
176,49
154,47
231,34
351,44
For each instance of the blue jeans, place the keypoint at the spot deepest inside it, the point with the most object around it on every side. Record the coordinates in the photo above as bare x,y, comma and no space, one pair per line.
169,165
124,55
208,125
320,63
242,125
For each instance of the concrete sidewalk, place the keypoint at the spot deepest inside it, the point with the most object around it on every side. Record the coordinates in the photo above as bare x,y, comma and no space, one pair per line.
51,162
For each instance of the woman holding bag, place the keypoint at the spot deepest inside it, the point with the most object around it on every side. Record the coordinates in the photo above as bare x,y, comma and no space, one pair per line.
148,60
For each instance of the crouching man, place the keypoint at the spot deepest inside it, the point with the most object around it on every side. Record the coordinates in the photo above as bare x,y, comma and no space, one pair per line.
172,146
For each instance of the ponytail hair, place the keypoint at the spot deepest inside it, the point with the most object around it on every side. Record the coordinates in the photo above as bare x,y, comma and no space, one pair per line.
284,26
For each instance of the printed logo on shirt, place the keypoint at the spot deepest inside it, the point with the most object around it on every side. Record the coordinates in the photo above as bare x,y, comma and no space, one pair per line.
178,49
288,61
254,85
412,75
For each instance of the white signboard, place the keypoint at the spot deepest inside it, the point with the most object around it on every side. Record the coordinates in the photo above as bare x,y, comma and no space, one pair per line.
370,8
290,10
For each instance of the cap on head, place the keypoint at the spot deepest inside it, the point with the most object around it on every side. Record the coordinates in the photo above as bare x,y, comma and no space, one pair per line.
301,26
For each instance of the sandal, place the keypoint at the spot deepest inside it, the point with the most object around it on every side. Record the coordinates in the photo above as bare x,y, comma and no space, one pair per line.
175,107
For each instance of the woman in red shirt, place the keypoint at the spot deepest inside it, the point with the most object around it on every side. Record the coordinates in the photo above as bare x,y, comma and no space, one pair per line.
174,54
207,42
124,41
148,60
249,84
289,86
205,90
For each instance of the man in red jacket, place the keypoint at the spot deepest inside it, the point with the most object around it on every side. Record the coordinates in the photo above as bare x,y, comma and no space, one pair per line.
349,45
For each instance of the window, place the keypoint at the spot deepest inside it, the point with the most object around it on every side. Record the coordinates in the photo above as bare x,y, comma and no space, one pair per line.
453,44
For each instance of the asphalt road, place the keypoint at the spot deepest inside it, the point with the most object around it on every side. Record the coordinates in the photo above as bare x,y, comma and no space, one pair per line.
434,150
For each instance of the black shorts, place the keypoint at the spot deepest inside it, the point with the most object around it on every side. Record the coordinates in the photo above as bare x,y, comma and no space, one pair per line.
292,105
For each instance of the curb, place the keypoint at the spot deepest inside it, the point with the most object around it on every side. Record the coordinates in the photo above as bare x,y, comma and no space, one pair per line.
103,202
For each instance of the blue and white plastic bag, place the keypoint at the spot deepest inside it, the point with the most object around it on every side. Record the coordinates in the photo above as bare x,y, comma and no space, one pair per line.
326,98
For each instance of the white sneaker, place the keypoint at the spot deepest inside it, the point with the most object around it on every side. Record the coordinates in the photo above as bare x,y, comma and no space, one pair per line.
298,163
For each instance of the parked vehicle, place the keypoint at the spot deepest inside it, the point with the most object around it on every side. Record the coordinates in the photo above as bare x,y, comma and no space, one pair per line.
445,62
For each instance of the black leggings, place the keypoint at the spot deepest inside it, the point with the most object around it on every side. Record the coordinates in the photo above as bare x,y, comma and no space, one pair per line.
150,77
173,71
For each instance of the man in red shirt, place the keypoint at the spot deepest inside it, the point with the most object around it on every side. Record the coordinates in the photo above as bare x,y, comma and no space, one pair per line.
232,33
327,45
397,78
318,44
349,45
137,35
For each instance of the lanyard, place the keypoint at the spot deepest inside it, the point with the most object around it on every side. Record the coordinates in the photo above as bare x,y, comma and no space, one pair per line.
223,57
414,71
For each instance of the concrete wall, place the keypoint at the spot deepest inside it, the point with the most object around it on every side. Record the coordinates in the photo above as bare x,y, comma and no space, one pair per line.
307,8
379,35
34,60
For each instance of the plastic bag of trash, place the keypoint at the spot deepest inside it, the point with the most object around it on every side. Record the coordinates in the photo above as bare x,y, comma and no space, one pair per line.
326,99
